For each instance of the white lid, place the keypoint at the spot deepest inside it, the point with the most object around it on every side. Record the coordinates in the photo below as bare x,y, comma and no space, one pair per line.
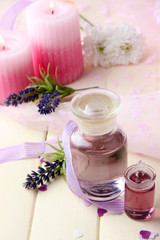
96,110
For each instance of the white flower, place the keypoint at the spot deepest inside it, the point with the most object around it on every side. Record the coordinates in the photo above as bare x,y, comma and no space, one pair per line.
112,45
126,46
94,45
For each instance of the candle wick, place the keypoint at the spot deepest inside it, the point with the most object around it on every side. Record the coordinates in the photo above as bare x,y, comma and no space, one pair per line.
52,12
3,47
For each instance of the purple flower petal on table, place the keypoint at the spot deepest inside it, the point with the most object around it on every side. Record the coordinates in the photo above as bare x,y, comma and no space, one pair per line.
135,91
132,16
150,58
154,75
153,235
42,160
147,75
143,127
107,21
77,234
101,212
136,113
43,188
82,6
104,9
145,234
114,83
98,77
138,30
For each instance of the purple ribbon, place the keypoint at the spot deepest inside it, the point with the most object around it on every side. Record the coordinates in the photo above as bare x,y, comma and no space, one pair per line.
8,19
32,150
26,150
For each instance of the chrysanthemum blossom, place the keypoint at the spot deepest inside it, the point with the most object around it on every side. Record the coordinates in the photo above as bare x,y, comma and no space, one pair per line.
94,45
126,47
112,45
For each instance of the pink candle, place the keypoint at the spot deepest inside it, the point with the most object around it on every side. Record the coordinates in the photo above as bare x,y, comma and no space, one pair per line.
15,63
54,33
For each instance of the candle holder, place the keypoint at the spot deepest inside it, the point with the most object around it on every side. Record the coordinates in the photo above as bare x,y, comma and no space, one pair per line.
98,146
139,191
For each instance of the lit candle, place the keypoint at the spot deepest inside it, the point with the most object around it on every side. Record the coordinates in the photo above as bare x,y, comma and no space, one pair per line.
15,63
2,43
54,33
52,6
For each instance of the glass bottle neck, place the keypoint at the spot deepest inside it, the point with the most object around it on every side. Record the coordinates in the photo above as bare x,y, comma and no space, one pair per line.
97,128
96,137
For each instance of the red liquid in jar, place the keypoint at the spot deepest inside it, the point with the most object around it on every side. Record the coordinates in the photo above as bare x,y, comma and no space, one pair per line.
139,204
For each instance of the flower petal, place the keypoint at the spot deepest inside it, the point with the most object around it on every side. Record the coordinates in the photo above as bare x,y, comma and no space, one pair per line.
77,234
101,212
43,188
153,235
145,234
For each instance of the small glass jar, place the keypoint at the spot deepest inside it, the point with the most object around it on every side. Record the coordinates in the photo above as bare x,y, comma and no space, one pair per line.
98,146
139,191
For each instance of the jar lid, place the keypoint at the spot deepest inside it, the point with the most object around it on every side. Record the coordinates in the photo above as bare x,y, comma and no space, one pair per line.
96,110
140,176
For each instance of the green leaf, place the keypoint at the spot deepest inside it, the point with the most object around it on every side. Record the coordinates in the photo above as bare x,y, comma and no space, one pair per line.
42,72
54,154
37,80
43,86
64,168
52,82
49,85
30,79
51,159
48,67
58,150
32,86
60,144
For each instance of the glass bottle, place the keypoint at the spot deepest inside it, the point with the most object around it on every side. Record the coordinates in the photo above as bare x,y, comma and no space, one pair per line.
98,146
139,191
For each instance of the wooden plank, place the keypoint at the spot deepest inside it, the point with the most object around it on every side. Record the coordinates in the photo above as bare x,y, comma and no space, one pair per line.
16,203
58,213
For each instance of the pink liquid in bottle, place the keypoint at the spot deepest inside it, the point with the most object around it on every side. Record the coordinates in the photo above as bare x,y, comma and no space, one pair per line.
98,147
139,191
99,163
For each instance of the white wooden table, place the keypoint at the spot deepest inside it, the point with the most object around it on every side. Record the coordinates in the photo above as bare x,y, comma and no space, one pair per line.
57,213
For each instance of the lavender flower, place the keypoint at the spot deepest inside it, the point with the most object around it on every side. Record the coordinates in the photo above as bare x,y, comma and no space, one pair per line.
26,95
55,164
50,171
48,102
49,91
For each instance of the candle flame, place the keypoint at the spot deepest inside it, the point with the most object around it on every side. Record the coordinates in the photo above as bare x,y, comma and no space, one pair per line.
51,4
2,42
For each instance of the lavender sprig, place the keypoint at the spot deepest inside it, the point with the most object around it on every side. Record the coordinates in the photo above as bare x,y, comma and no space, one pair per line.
48,102
46,90
44,174
26,95
55,164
